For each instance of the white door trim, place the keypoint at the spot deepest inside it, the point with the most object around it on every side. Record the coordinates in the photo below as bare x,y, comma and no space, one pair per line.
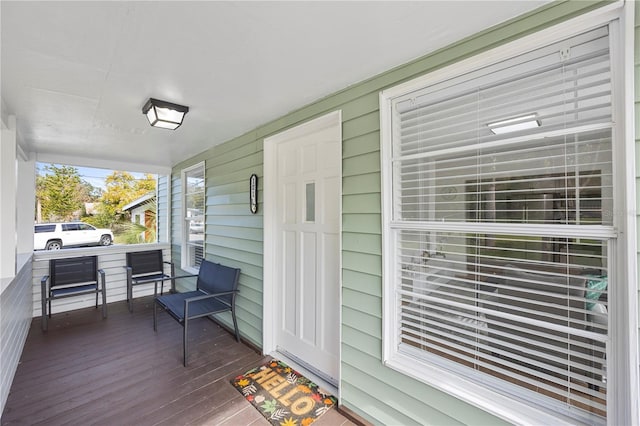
332,119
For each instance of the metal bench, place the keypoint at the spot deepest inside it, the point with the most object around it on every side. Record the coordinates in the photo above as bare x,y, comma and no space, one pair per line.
216,289
69,277
145,267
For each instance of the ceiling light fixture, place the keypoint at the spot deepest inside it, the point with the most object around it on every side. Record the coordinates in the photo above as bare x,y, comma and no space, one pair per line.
164,114
523,122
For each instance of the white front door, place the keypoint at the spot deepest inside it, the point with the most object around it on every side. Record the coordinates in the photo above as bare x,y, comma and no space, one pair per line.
306,241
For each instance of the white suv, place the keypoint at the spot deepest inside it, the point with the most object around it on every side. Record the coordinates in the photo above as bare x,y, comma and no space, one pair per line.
54,236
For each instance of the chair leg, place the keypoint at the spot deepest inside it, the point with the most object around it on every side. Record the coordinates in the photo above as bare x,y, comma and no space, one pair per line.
97,299
49,306
129,288
173,281
44,320
235,325
104,301
44,312
184,343
130,297
155,316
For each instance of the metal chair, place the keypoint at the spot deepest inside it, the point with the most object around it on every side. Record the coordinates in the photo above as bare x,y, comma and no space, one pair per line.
69,277
216,289
145,267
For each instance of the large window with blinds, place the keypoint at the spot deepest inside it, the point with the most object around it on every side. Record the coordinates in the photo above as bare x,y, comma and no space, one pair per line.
499,223
193,214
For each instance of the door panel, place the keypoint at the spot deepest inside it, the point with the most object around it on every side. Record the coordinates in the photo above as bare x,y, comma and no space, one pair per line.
289,311
331,270
308,286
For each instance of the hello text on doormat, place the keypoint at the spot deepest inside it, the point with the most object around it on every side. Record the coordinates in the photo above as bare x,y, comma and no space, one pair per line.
282,395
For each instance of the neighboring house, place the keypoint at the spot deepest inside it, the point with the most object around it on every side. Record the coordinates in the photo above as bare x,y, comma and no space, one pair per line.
143,212
452,224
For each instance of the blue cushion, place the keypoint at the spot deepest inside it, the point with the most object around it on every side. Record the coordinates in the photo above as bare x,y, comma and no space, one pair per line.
149,278
174,304
55,292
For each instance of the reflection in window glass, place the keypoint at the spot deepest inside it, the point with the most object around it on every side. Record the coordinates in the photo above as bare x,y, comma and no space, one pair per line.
194,208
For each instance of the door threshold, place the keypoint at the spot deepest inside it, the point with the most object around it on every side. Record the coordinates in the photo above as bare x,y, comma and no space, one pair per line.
307,372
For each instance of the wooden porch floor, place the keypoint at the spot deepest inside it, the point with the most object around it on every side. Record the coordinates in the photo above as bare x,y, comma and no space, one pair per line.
117,371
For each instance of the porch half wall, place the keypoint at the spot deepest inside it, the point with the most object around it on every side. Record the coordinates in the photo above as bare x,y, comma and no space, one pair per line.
235,237
111,259
16,303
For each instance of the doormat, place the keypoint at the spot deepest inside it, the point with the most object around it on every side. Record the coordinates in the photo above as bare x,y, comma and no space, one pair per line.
283,396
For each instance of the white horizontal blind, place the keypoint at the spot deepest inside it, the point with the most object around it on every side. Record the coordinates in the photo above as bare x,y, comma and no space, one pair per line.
502,241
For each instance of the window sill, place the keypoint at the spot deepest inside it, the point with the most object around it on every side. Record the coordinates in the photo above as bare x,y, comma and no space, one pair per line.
96,250
509,408
190,269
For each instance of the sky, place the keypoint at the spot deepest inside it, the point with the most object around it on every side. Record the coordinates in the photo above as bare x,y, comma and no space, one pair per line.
94,176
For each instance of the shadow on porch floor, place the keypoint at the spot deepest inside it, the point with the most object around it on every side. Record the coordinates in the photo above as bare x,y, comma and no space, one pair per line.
117,371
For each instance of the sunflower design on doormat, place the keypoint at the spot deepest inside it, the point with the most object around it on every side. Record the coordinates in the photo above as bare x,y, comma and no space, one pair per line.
283,396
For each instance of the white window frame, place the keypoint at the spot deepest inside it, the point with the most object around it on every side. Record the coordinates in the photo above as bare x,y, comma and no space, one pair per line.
623,376
185,219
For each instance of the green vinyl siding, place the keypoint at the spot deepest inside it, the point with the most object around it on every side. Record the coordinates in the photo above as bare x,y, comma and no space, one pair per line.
365,243
362,144
235,237
363,282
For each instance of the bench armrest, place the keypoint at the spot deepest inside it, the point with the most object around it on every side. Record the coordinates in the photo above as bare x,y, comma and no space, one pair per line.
172,279
204,297
186,276
209,296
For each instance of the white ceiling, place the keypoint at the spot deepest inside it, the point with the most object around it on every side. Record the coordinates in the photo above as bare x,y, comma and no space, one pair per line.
76,74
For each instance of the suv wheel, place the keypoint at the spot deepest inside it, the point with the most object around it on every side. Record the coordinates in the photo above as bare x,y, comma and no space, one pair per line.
105,240
53,245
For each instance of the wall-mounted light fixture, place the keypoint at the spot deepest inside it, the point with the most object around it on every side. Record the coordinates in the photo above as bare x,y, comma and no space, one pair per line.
514,124
164,114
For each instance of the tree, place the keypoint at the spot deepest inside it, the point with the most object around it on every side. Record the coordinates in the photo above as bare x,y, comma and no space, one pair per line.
89,193
59,192
121,189
146,185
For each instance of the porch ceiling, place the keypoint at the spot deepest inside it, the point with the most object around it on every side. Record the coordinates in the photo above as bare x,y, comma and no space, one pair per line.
76,74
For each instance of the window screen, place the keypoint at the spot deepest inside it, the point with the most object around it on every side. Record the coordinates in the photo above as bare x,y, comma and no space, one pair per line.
194,210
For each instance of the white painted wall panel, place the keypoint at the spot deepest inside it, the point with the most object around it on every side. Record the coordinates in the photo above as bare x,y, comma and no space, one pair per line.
25,201
8,192
15,318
